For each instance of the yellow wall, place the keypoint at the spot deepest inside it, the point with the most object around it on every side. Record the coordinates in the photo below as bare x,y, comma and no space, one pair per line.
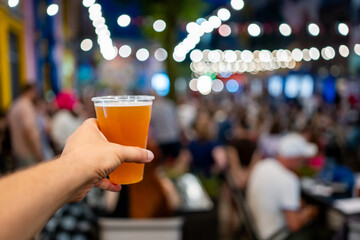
9,24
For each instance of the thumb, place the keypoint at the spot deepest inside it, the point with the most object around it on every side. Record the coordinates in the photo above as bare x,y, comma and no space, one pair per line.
132,154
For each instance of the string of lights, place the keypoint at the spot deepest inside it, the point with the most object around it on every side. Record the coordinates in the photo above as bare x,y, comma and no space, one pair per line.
107,48
229,61
250,62
202,26
226,63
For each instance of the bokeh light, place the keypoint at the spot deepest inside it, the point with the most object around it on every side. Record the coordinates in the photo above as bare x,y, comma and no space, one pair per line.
86,45
193,84
13,3
314,53
306,86
196,55
206,27
254,30
344,51
306,54
232,85
215,21
230,56
178,57
247,56
204,84
214,56
142,54
224,30
343,29
224,14
292,86
160,54
160,83
159,25
125,51
265,56
52,9
237,4
313,29
328,53
285,29
217,85
357,49
109,52
275,85
193,28
123,20
88,3
297,54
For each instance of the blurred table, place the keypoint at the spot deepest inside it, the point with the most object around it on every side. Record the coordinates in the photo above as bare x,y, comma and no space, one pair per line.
332,200
332,196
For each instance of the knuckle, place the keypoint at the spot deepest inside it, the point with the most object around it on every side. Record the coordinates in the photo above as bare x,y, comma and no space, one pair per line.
90,121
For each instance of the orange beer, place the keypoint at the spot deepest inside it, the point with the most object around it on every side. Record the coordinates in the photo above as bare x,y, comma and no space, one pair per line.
125,120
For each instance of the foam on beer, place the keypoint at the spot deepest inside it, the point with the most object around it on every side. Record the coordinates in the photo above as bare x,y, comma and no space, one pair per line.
122,103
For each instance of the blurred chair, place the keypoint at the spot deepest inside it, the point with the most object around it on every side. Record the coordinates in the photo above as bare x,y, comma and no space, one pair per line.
242,208
248,223
139,229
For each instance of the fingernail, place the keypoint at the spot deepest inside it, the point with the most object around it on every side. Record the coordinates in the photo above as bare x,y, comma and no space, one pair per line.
150,155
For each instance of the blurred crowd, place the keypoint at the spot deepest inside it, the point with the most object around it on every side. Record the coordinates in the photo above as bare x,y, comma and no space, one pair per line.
212,137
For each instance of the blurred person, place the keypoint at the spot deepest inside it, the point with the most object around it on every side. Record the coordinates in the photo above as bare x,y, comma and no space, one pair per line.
268,141
242,156
206,156
165,127
187,109
224,127
203,156
241,152
273,192
44,124
335,172
66,120
85,162
25,133
353,139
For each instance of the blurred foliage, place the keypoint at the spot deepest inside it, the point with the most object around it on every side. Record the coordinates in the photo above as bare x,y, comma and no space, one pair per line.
212,184
173,12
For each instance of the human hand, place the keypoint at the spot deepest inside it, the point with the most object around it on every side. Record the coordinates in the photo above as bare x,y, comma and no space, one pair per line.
312,211
94,157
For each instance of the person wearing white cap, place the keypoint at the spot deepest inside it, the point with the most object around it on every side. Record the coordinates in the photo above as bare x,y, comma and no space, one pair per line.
273,192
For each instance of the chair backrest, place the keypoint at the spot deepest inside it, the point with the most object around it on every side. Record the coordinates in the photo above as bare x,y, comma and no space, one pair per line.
244,212
243,209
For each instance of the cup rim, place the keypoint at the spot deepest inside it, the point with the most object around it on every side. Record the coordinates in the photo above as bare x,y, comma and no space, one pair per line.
123,98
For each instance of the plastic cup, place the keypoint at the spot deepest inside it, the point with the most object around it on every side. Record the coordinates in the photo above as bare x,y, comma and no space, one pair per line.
125,120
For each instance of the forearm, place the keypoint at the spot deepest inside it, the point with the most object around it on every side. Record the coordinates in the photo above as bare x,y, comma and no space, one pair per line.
297,219
306,214
30,197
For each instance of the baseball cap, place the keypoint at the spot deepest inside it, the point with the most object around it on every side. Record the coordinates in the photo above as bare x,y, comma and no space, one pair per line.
294,145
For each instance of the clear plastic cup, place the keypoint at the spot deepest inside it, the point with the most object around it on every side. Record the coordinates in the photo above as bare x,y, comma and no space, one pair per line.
125,120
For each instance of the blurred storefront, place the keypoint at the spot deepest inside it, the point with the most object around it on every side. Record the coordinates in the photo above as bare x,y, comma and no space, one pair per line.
12,53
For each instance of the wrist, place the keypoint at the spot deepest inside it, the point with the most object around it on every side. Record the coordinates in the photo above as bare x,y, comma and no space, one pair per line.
73,174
